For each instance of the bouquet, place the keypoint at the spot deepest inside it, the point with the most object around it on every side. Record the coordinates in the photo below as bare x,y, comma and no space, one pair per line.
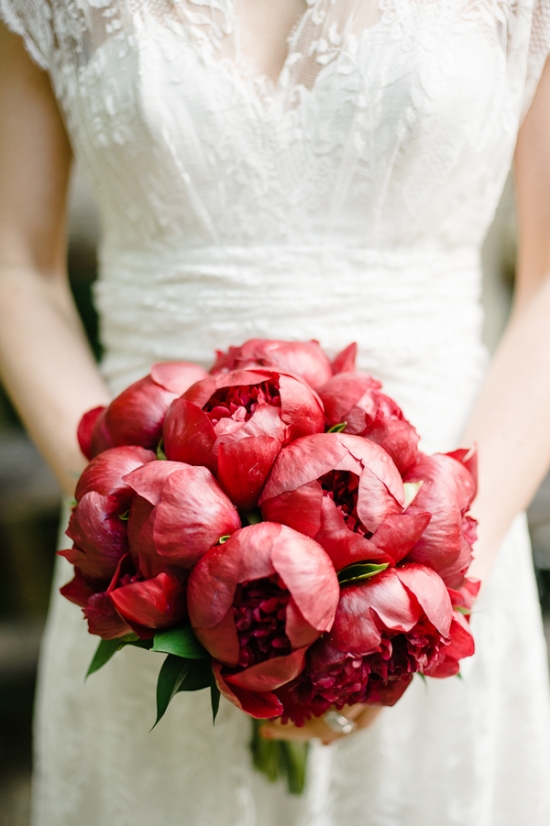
272,528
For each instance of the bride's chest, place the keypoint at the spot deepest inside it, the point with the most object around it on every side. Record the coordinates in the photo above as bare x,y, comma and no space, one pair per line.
375,101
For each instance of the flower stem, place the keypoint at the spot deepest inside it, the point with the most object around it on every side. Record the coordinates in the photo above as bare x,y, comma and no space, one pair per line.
278,759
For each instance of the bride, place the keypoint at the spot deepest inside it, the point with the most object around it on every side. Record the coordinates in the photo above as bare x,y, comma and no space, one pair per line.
294,169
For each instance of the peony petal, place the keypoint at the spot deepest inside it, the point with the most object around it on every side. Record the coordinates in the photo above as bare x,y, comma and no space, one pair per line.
105,473
298,630
375,503
354,630
345,360
301,408
461,645
308,574
135,417
243,467
81,588
192,515
399,533
270,674
99,536
389,693
430,591
148,481
262,706
303,461
343,393
85,430
221,642
141,541
389,599
189,435
343,546
299,509
103,618
177,376
154,603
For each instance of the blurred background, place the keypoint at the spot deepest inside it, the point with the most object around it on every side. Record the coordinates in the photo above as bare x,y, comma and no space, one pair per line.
29,504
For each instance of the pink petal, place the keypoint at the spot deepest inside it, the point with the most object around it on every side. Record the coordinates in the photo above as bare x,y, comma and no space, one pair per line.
85,430
389,599
261,705
103,619
135,417
148,481
98,533
270,674
342,393
177,376
243,467
81,588
399,533
308,574
301,408
354,630
189,435
192,515
154,603
299,632
431,593
343,546
303,461
345,360
299,509
105,473
375,503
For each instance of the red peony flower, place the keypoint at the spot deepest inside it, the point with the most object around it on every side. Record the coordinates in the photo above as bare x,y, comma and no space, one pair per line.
98,533
235,424
355,398
135,417
385,630
346,493
138,526
257,603
178,513
448,487
305,359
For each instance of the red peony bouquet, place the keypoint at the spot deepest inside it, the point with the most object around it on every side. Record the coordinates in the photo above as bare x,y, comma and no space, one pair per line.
273,528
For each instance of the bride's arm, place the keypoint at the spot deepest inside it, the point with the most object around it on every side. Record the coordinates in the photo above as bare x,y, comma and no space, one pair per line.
511,421
45,361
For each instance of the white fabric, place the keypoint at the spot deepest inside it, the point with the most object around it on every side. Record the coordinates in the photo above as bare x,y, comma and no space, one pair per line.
346,201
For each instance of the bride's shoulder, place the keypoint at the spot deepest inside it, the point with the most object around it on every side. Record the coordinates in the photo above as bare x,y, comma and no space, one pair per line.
33,21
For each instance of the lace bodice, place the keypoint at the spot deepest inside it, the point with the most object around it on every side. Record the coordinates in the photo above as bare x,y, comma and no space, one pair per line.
392,123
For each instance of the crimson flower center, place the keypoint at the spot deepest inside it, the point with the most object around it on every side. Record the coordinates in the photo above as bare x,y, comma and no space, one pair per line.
342,486
242,401
259,611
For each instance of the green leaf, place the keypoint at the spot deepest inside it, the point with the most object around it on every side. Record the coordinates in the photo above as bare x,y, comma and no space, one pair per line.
422,677
160,451
463,610
338,428
214,696
223,539
171,676
124,516
104,651
359,572
252,517
181,642
198,677
411,489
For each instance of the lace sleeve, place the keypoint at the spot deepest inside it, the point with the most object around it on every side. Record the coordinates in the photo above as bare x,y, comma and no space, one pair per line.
539,49
32,20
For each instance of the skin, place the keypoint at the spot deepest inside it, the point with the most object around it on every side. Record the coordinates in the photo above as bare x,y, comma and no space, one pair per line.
49,371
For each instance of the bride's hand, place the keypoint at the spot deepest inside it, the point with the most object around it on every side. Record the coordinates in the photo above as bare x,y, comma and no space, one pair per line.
361,715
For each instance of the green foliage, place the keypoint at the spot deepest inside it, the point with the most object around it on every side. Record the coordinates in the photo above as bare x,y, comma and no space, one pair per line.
338,428
280,759
359,571
181,642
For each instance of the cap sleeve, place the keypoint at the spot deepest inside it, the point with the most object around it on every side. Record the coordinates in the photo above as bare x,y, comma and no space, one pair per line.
539,48
32,20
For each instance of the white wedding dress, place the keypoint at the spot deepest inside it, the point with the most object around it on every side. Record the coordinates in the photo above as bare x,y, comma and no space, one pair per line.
348,201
